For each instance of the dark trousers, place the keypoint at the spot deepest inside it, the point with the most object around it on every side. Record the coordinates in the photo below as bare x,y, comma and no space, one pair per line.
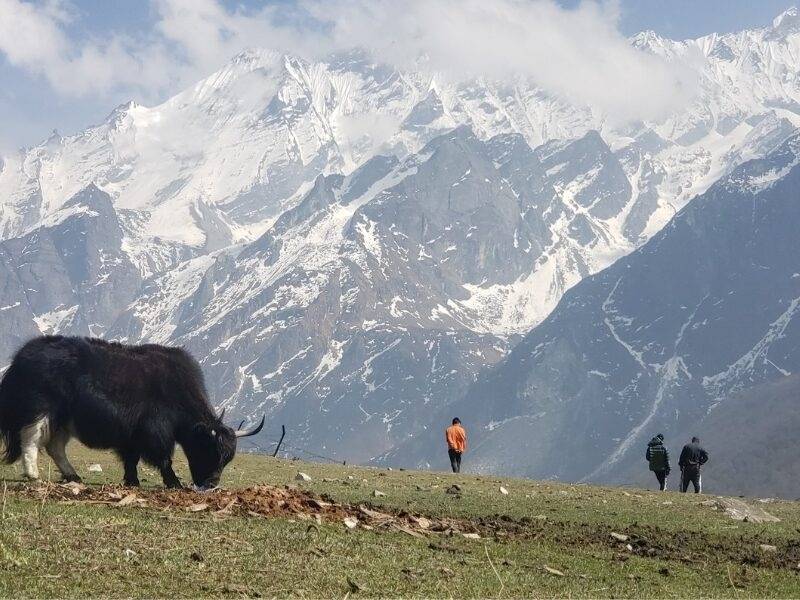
691,474
662,479
455,459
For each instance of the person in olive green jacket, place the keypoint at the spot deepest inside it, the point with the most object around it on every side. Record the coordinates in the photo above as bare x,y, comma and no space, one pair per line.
658,458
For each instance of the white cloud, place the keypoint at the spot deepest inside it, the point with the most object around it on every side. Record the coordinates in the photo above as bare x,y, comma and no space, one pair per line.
578,53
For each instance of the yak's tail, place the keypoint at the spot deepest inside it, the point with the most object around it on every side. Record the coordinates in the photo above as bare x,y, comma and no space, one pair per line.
12,442
13,417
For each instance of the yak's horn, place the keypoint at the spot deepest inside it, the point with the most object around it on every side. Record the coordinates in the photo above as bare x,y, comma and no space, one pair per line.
241,433
222,415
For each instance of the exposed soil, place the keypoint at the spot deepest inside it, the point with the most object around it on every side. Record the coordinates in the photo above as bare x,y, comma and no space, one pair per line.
647,541
651,541
256,501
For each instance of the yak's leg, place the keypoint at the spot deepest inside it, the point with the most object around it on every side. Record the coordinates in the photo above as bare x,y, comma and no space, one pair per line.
130,460
168,475
57,449
33,437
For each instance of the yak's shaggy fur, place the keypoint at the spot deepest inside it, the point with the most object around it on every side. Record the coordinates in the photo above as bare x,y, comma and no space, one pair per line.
137,400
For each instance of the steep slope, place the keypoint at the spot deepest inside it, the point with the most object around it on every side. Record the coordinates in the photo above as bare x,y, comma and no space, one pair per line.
69,275
703,311
355,315
760,462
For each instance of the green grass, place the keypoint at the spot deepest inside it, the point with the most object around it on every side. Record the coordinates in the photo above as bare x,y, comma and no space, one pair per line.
50,548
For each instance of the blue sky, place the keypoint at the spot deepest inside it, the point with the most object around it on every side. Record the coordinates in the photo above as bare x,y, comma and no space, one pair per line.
683,19
107,41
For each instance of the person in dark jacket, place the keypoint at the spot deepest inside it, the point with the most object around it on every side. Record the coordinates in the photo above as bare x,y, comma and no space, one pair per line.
658,458
693,457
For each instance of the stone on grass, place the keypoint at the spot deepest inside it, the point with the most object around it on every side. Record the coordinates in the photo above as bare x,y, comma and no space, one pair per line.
739,510
302,476
422,522
503,491
94,468
75,487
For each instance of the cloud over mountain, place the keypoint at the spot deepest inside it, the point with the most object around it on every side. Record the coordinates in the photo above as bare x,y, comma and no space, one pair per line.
578,53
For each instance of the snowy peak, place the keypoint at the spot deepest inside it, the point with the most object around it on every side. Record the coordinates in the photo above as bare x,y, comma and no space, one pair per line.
787,23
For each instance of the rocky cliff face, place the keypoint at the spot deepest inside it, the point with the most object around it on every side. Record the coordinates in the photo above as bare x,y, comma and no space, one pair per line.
70,274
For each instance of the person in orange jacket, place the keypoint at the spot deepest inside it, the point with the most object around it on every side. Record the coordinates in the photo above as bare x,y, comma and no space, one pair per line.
456,438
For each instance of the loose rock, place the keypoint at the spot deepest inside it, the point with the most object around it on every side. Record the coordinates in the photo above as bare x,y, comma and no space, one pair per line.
354,587
302,476
94,468
503,491
739,510
422,522
75,487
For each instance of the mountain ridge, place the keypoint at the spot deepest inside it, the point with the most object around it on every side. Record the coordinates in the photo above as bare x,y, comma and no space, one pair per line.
346,246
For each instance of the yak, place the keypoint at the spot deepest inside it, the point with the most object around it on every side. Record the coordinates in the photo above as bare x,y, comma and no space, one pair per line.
136,400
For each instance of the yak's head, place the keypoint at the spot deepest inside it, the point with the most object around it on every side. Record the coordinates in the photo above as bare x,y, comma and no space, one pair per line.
212,448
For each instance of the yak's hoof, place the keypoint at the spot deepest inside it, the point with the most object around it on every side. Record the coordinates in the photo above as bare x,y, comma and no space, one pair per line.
72,478
131,482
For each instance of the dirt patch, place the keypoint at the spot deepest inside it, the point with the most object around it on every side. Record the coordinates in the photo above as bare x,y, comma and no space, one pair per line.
256,501
645,541
652,541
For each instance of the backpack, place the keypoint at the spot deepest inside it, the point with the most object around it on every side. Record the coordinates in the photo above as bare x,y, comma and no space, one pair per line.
658,458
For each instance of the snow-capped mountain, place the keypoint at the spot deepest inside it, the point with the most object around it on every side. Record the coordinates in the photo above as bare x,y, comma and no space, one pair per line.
682,336
345,245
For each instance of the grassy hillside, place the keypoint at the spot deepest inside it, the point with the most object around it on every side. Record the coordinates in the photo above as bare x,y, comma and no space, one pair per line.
540,539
